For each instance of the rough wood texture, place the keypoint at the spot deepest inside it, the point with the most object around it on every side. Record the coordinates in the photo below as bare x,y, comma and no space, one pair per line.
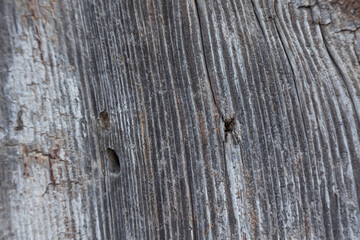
175,119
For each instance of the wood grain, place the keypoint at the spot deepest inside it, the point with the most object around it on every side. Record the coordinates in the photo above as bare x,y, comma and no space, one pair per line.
175,119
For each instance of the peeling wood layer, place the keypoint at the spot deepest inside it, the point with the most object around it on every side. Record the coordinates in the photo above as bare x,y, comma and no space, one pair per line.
179,119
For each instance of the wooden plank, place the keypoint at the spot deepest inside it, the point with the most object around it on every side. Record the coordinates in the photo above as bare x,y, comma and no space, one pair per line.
179,119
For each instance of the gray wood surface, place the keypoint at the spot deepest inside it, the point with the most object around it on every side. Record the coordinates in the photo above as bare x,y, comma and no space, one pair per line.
179,119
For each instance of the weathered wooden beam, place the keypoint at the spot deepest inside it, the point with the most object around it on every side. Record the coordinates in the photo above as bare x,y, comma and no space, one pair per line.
178,119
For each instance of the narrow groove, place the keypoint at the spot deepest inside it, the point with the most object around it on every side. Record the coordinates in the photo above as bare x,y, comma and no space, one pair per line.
258,21
294,75
187,169
205,60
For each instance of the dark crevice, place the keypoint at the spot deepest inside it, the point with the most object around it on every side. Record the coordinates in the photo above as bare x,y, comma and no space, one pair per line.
341,74
309,6
19,122
348,30
205,60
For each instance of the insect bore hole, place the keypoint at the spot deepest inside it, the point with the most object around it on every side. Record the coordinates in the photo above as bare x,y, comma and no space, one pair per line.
113,159
229,125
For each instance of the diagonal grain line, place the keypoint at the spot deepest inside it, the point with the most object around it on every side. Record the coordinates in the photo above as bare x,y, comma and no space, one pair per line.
205,59
292,70
341,74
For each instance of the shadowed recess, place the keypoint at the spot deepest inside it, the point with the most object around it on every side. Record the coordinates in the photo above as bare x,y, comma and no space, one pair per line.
113,159
229,124
104,120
